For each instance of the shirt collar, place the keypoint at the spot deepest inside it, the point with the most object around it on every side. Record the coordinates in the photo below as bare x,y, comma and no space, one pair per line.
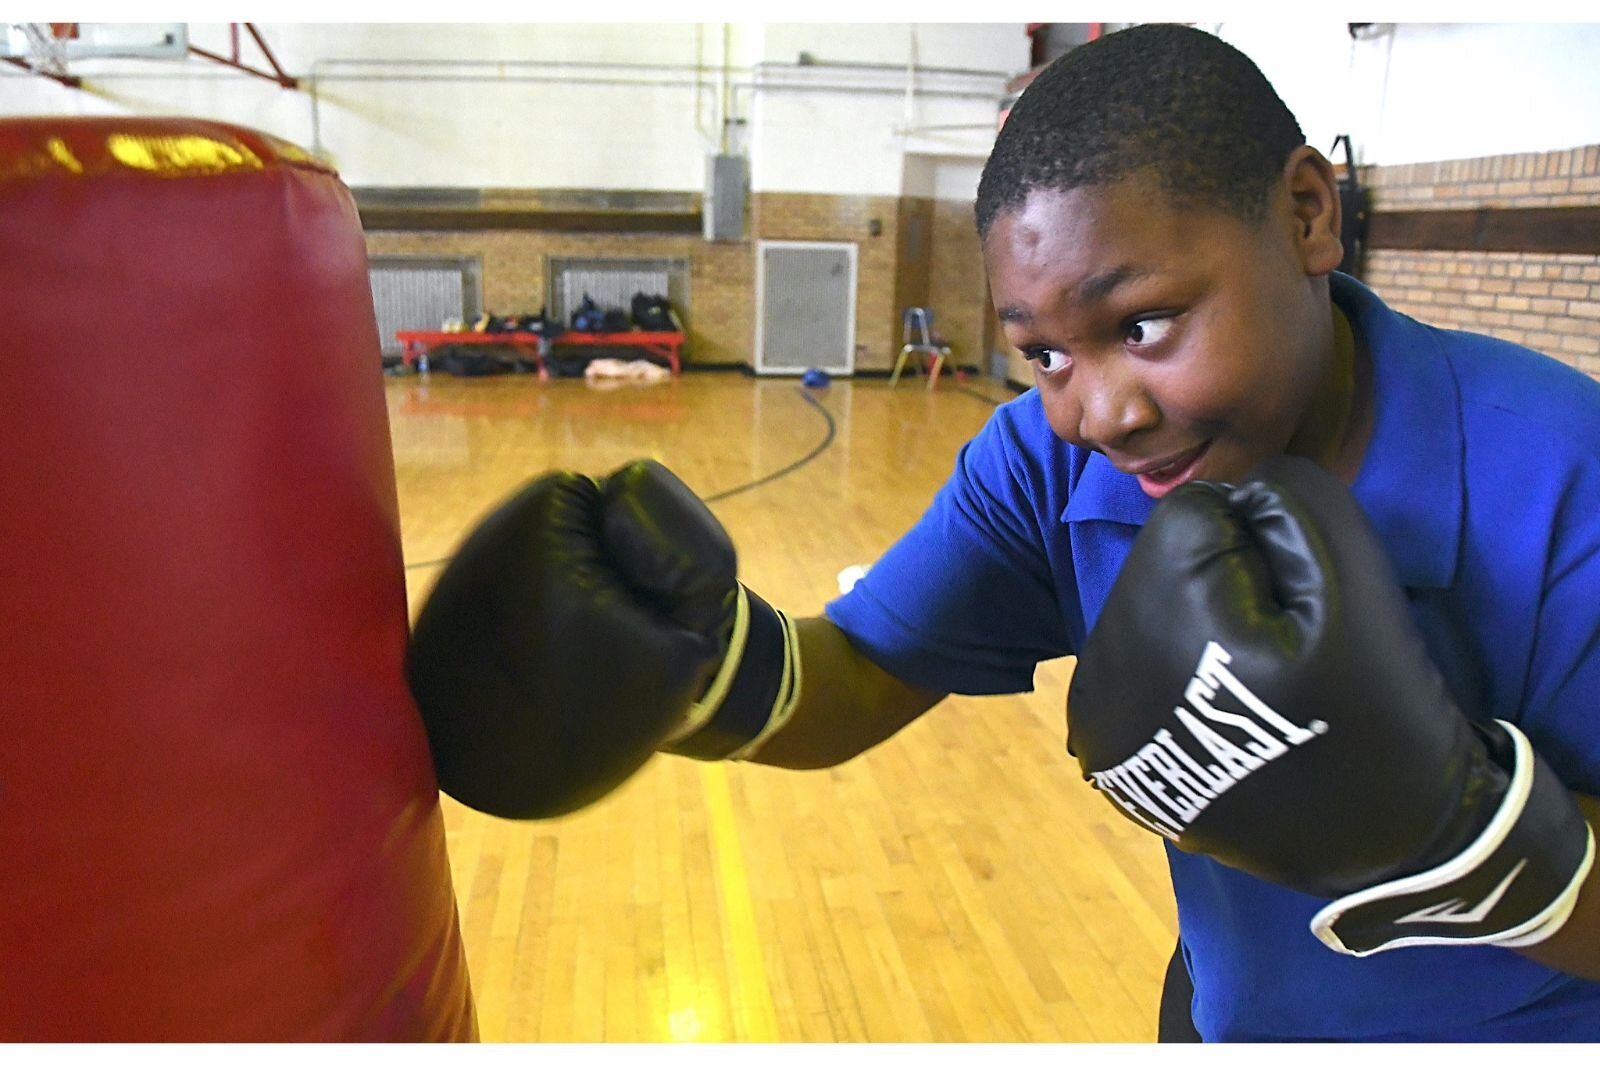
1410,483
1104,493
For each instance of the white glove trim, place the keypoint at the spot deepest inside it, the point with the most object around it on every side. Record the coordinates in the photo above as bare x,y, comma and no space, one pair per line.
1541,926
791,685
702,712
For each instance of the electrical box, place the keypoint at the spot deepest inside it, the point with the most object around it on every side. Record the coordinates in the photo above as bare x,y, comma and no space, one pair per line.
727,185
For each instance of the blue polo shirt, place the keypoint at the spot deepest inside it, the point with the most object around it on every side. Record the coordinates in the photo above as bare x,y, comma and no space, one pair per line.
1483,482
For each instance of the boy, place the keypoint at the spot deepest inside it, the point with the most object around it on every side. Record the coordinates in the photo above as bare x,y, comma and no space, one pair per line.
1161,246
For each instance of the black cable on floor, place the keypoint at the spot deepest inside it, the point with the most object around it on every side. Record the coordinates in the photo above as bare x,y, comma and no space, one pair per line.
827,441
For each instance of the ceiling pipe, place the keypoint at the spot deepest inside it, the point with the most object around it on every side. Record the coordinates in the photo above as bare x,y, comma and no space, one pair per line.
707,135
726,97
322,72
569,64
323,77
911,74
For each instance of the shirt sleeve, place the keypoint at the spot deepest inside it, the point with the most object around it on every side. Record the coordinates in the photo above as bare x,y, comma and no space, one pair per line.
1562,712
965,601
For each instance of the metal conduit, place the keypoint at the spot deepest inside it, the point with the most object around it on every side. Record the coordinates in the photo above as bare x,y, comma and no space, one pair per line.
750,87
494,71
701,68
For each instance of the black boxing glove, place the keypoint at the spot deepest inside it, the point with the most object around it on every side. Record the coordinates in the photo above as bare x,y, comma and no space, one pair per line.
1255,690
582,626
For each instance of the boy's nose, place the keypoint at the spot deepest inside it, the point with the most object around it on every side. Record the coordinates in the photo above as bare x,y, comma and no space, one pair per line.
1113,406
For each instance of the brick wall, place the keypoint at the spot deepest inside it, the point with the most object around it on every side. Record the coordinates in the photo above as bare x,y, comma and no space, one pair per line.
815,217
1547,302
958,288
913,261
719,320
925,253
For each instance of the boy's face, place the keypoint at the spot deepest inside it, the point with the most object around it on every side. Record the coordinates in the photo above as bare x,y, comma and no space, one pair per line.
1181,343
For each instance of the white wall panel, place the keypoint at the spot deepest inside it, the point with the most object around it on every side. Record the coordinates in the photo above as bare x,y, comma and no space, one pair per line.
482,111
539,105
1411,92
1001,47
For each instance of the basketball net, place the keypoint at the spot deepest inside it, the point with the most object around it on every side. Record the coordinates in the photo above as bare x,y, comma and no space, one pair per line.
47,44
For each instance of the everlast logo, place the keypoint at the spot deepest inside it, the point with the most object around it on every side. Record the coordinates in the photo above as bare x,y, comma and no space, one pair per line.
1165,785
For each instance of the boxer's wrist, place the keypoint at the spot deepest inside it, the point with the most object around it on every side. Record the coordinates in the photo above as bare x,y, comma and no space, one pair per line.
754,692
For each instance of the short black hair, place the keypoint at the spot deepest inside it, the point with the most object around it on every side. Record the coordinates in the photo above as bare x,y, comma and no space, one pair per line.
1177,103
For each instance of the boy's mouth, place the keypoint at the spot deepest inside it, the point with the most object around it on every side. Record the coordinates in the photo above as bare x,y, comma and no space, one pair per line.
1159,480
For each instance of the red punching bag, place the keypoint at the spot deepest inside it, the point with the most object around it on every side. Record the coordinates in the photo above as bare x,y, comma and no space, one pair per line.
218,816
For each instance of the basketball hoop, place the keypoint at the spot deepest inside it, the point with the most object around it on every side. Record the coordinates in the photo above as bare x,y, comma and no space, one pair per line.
47,44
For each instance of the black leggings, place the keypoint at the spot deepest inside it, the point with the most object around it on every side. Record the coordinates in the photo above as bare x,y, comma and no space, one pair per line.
1176,1024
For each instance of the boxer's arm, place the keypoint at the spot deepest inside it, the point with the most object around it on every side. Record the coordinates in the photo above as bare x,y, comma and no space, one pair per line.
847,703
1576,948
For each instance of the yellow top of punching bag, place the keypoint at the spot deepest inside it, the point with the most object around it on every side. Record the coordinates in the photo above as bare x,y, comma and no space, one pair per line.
72,146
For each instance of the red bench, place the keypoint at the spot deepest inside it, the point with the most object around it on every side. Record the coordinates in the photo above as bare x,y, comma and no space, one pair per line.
668,345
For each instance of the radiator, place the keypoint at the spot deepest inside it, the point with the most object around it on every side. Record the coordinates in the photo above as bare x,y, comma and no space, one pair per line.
612,283
422,294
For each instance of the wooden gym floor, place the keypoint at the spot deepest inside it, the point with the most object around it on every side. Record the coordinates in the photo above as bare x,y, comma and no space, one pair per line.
960,882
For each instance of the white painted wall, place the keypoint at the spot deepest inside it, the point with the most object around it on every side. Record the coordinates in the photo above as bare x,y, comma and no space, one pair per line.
938,177
1413,92
810,137
541,105
568,105
997,47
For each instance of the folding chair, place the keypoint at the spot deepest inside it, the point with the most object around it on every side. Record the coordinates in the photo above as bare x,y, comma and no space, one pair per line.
919,339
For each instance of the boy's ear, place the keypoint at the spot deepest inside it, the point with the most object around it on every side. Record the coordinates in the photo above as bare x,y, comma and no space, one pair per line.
1314,200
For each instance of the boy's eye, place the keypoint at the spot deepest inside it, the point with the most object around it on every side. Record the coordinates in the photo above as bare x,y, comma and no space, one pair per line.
1048,360
1149,330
